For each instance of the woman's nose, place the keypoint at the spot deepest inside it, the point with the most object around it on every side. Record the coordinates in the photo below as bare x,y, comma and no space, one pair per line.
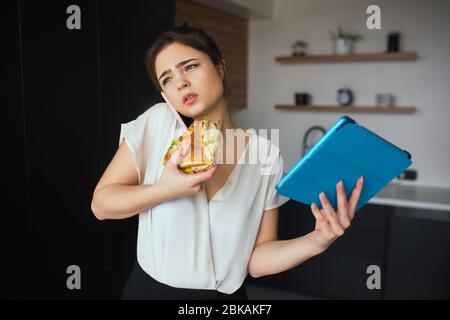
181,82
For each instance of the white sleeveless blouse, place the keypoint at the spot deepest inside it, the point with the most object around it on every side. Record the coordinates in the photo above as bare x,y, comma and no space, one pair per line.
190,242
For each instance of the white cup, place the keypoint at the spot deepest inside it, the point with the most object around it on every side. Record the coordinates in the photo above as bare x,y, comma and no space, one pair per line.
385,100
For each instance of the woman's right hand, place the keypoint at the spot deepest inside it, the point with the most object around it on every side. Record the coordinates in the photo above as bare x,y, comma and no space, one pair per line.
177,184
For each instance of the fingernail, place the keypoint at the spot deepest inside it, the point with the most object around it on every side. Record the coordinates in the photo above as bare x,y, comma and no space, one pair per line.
361,179
313,205
322,195
340,184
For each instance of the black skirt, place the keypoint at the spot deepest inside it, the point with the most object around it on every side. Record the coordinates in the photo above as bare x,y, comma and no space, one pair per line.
141,286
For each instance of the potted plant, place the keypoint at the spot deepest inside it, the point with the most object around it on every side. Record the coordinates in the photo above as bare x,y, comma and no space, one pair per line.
344,41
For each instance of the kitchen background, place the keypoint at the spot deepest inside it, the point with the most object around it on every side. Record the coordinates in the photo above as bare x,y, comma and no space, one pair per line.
422,83
66,92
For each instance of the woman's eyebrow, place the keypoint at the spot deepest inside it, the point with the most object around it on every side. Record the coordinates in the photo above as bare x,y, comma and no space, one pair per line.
179,64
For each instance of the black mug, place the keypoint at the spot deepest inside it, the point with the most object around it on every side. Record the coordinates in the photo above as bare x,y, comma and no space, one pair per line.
302,98
393,42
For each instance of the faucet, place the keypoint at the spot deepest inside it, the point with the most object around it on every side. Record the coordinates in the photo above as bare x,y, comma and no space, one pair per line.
308,133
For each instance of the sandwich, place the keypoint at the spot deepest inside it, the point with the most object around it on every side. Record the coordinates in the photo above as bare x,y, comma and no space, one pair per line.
203,137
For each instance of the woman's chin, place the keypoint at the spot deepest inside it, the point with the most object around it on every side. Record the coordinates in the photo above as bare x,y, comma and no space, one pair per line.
196,111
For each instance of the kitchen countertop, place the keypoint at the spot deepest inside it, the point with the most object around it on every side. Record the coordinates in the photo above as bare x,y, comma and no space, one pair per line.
411,196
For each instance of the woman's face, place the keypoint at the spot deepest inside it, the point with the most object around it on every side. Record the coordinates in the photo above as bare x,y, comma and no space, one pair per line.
182,70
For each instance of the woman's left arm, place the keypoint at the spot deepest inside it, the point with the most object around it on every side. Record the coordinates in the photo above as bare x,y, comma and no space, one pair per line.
271,256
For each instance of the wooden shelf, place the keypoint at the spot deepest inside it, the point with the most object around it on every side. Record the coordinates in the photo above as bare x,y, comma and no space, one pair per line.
355,57
345,109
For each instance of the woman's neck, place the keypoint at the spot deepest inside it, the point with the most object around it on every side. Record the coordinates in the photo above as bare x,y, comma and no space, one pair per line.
220,115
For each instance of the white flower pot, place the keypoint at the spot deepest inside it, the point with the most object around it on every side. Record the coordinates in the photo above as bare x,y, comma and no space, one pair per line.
343,46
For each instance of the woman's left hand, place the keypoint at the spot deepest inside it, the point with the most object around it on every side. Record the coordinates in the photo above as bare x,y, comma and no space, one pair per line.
330,224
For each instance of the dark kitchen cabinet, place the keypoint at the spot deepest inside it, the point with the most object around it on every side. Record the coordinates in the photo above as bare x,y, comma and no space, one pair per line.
419,255
411,247
15,236
345,276
341,271
126,30
295,220
63,155
346,262
66,92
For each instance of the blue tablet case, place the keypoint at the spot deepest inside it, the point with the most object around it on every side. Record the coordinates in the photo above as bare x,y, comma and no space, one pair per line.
346,152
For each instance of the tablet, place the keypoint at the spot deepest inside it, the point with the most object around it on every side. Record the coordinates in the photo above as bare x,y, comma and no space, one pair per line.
346,152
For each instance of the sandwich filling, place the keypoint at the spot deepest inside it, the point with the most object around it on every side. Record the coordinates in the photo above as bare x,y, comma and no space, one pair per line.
203,137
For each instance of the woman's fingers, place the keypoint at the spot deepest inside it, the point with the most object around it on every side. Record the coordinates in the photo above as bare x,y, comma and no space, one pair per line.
331,215
322,221
326,228
354,198
179,153
334,224
317,214
205,175
342,205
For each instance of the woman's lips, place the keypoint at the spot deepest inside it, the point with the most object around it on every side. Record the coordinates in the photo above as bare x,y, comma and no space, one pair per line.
191,100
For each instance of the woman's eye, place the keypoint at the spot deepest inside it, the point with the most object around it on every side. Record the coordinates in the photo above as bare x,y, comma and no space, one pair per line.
191,65
187,69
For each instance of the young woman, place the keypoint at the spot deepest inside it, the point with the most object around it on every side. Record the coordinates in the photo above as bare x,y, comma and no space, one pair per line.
200,234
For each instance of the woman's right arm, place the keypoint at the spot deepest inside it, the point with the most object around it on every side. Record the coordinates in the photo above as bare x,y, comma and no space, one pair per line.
118,194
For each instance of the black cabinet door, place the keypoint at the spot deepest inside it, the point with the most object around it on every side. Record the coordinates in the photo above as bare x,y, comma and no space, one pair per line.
296,220
345,276
346,262
15,235
126,30
62,133
418,261
65,93
341,272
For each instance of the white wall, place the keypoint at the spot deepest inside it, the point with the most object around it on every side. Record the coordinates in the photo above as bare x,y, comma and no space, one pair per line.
425,83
